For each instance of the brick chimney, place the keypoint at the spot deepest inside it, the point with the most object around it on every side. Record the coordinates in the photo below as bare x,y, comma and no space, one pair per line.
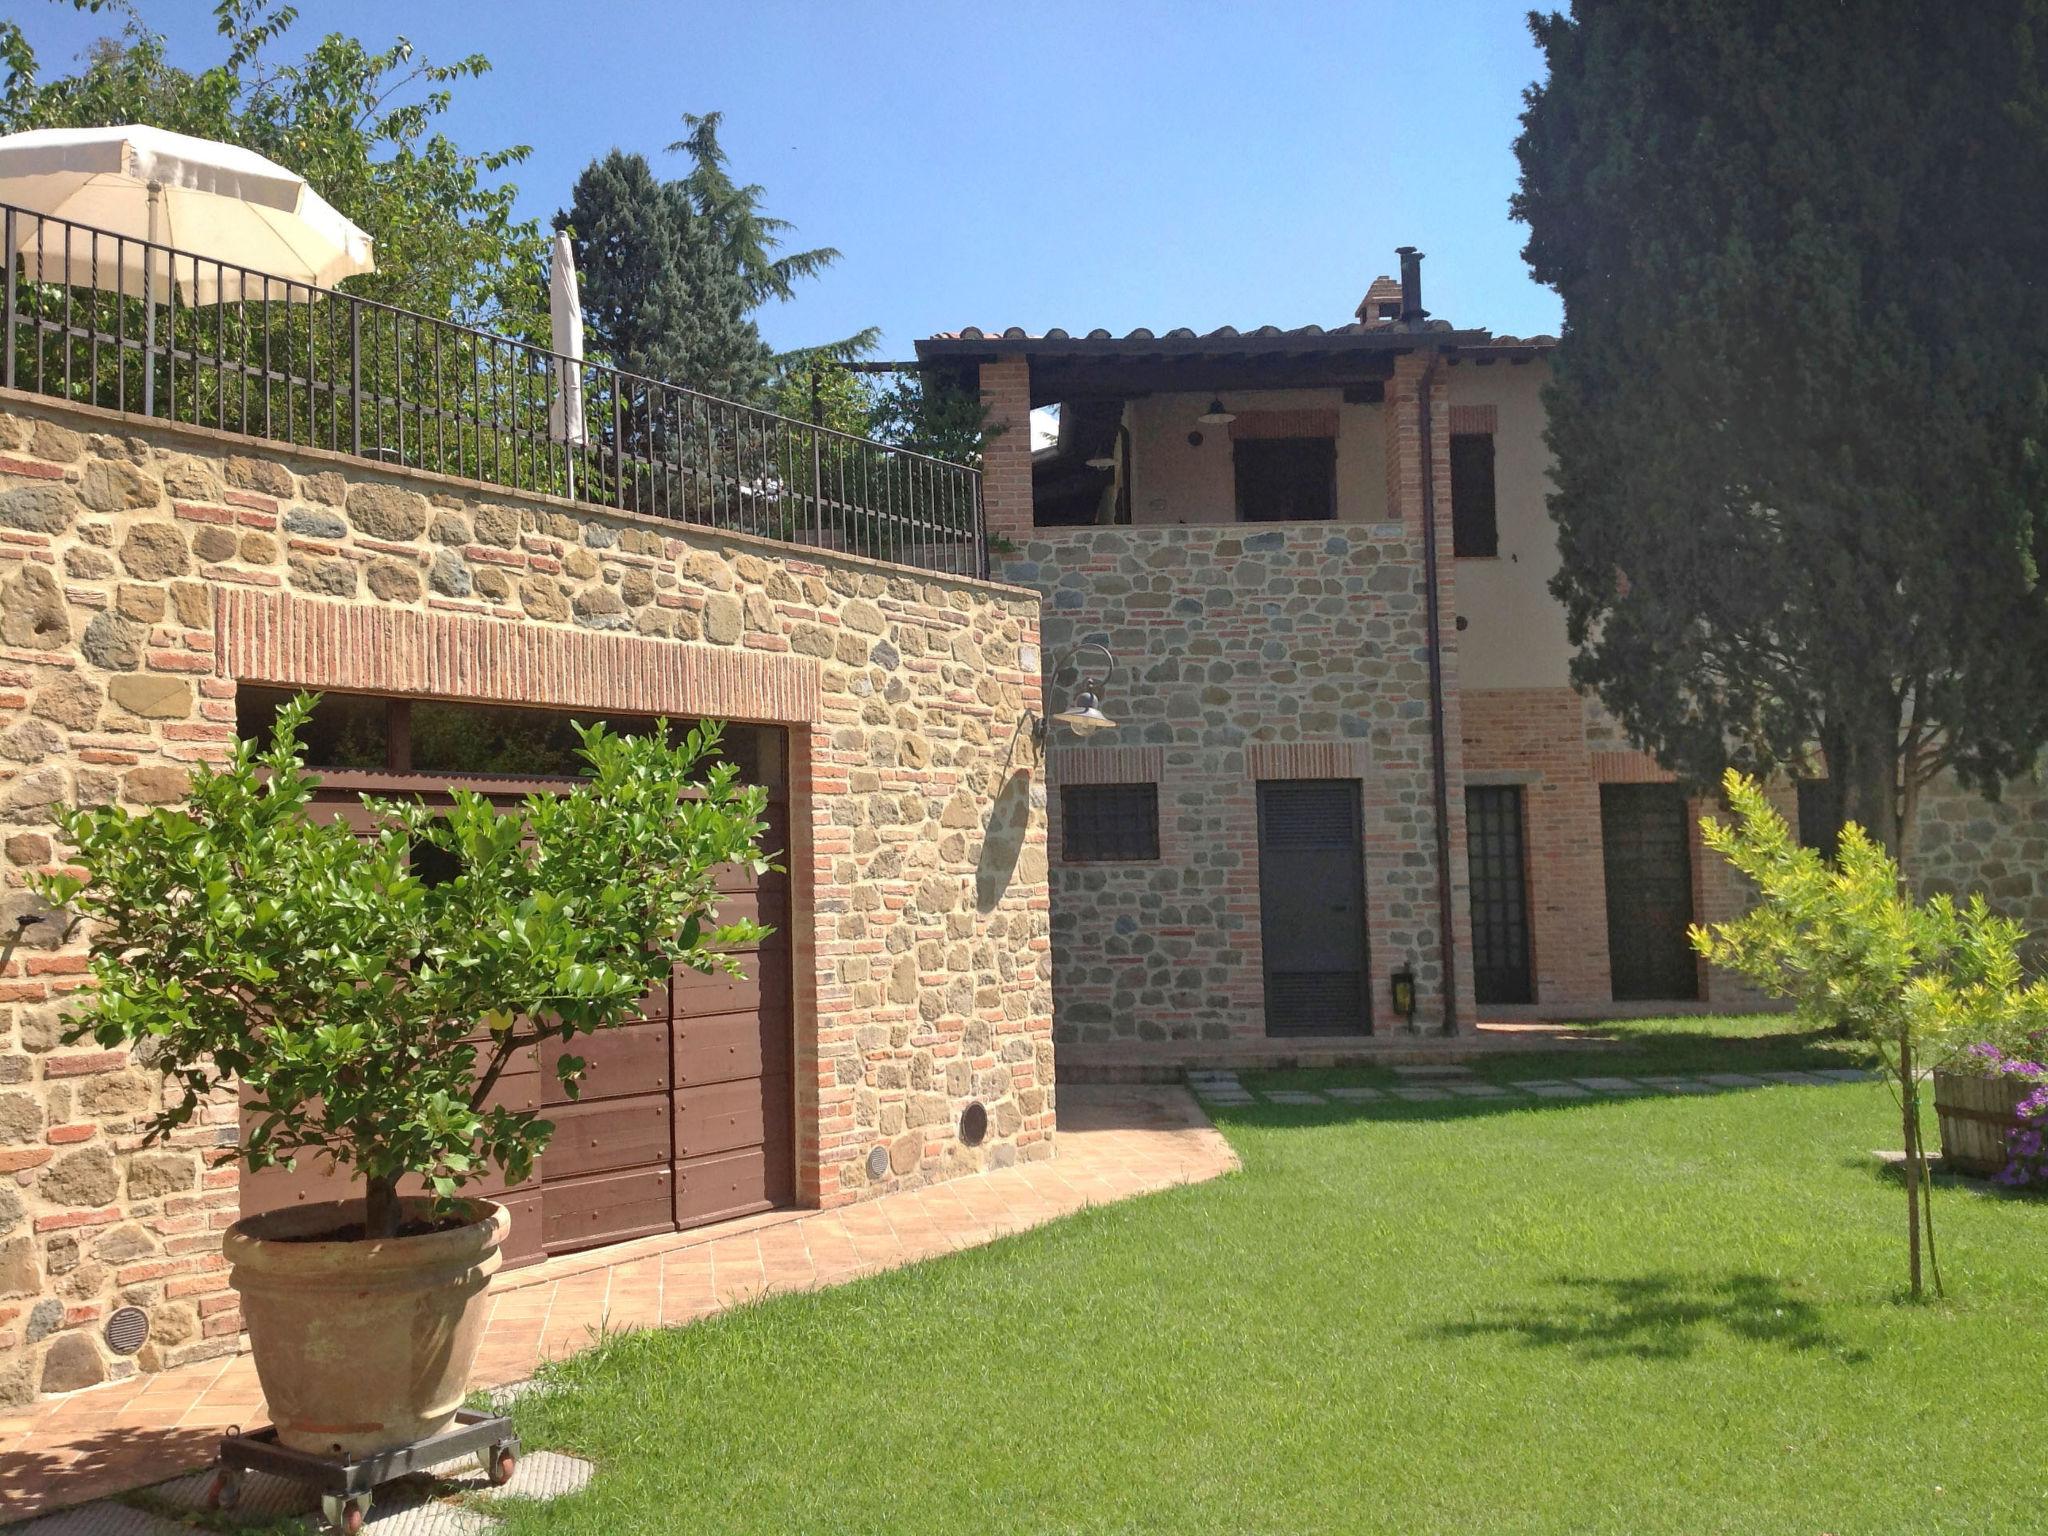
1382,301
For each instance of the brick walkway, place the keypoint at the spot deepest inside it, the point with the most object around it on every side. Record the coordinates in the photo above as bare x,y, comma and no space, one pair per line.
1113,1143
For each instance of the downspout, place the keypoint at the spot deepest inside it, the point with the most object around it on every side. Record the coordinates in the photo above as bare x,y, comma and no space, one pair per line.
1433,604
1413,314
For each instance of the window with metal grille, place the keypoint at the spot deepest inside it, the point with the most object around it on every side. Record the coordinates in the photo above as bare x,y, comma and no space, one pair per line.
1474,528
1109,823
1285,479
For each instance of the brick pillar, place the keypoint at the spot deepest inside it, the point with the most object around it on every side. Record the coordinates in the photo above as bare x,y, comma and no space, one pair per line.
1006,461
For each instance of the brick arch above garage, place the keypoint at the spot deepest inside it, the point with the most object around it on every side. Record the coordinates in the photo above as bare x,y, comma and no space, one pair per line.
277,637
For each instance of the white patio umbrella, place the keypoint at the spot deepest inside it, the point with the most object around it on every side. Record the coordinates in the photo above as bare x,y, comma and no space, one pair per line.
218,202
565,311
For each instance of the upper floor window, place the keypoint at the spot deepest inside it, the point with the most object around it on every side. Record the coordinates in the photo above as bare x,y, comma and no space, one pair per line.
1474,528
1285,479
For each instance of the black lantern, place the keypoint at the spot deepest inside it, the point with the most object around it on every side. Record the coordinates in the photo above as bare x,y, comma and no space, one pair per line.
1403,985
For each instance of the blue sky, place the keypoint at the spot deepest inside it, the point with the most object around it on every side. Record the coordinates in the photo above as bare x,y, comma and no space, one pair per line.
1023,162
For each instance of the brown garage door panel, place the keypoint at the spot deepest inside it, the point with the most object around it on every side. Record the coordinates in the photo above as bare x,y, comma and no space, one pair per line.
724,1117
523,1244
631,1059
729,1046
766,976
732,1184
610,1134
605,1208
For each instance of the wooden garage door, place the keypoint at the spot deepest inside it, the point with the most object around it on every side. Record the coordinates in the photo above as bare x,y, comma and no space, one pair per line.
684,1117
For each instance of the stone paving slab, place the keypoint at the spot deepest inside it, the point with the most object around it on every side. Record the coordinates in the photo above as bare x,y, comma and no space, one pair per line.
1793,1079
102,1519
1294,1096
1846,1074
1550,1090
1421,1095
1611,1084
1731,1079
1431,1073
1355,1095
1479,1090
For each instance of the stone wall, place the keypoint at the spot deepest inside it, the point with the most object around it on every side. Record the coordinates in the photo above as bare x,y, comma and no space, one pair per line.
1963,843
1243,652
145,571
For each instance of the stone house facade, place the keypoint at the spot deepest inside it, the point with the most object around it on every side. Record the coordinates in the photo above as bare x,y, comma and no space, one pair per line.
1242,519
154,579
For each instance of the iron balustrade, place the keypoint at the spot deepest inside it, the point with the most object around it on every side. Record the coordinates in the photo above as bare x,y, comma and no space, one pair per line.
104,319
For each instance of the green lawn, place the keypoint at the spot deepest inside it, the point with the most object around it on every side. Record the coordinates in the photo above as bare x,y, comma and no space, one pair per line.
1662,1315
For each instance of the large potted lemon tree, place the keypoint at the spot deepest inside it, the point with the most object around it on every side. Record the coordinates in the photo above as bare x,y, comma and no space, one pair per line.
243,943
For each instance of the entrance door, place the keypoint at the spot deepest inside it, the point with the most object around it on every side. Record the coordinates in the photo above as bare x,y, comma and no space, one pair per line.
1312,907
1646,841
1500,904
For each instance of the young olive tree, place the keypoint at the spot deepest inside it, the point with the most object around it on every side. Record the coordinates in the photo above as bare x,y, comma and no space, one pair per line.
1839,940
367,1012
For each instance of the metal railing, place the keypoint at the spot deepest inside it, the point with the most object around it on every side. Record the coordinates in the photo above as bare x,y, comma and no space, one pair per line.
104,319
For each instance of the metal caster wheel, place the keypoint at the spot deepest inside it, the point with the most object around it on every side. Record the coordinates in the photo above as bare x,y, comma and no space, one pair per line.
499,1462
345,1514
225,1491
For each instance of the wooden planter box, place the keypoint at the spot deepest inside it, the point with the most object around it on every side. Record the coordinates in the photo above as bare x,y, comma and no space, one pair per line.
1975,1114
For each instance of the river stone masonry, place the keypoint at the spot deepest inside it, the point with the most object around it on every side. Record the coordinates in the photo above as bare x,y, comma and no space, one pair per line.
145,569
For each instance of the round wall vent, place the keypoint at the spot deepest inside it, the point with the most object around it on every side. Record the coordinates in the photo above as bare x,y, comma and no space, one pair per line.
126,1330
878,1163
974,1124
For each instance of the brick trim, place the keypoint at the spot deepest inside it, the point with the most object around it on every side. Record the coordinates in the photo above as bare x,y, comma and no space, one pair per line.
1307,421
1475,419
1106,765
1306,760
1629,768
276,637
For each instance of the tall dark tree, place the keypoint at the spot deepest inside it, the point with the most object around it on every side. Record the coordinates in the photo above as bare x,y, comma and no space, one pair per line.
661,296
1799,408
753,239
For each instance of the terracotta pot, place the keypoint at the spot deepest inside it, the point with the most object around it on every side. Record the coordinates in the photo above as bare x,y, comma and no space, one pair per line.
1975,1114
363,1346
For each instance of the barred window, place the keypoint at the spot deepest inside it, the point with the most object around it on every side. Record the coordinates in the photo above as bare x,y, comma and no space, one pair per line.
1109,823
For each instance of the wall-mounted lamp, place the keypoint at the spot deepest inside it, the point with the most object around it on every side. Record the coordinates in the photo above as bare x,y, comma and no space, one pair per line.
1084,716
1216,415
1103,461
1402,984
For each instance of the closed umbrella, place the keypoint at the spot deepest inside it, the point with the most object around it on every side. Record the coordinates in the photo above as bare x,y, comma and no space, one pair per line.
565,311
215,201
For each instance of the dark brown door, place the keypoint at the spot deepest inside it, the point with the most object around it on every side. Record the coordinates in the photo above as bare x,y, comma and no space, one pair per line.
1500,905
1312,907
734,1101
1646,841
683,1118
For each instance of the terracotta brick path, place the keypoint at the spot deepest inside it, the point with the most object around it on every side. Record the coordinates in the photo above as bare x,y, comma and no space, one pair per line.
1113,1143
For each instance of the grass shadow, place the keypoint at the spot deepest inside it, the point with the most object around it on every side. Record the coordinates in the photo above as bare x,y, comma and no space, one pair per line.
1661,1317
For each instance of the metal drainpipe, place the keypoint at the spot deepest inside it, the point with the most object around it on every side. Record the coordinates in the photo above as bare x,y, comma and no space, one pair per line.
1433,608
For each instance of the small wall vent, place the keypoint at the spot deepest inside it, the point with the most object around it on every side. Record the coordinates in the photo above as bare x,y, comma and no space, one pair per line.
127,1328
878,1163
974,1124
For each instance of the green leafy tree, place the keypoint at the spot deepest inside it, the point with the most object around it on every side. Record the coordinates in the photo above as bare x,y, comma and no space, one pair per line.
1838,939
931,414
1798,410
661,296
360,123
366,1012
